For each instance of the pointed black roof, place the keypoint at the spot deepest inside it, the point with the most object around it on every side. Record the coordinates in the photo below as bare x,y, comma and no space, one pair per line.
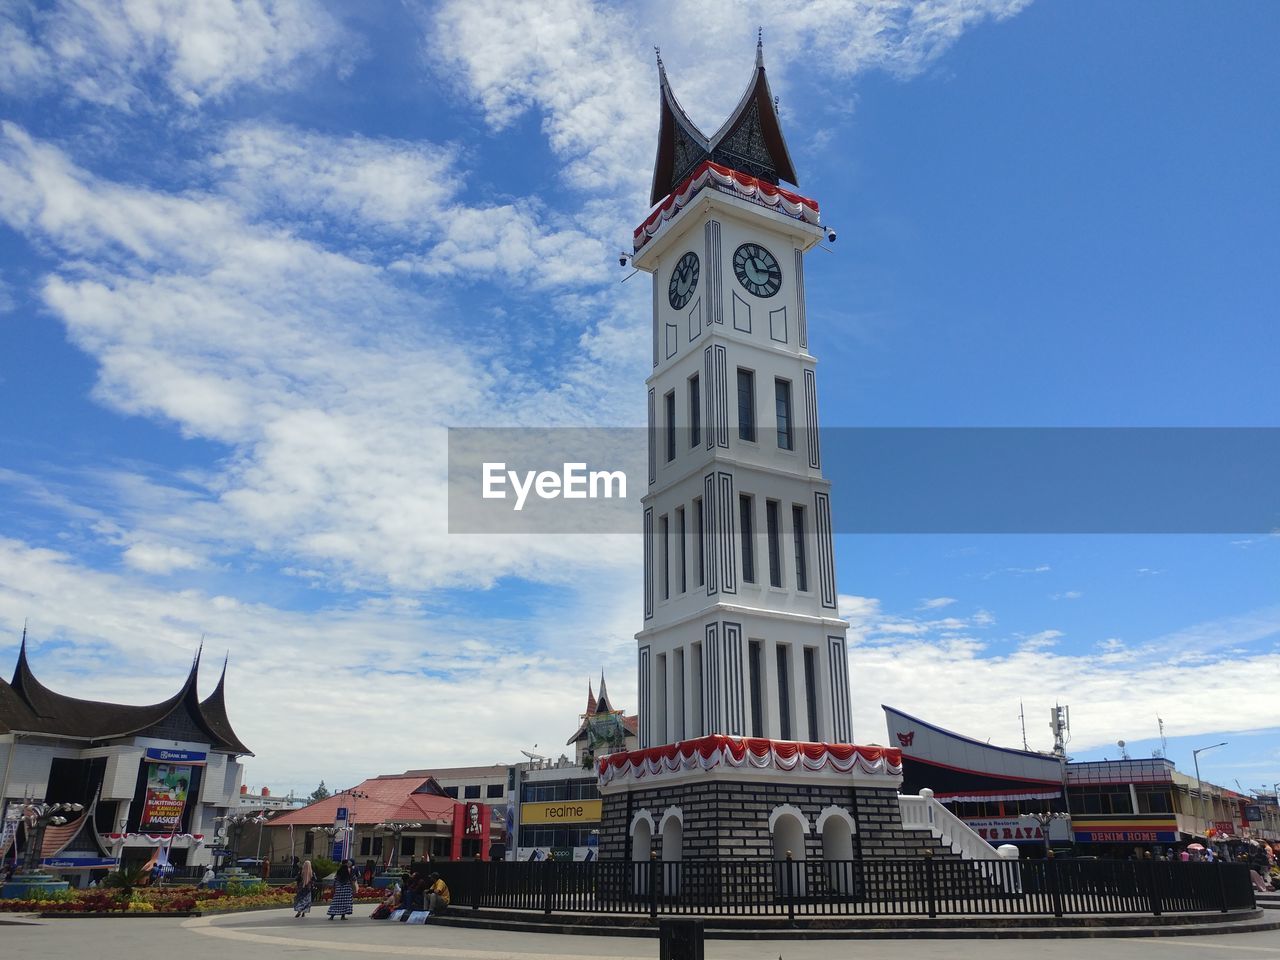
750,141
28,706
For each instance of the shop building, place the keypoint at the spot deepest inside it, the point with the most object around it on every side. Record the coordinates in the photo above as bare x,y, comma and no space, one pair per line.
390,820
149,778
558,813
1115,806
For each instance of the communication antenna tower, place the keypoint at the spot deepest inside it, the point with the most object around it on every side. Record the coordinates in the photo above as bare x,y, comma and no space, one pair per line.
1023,717
1124,754
1060,724
1164,744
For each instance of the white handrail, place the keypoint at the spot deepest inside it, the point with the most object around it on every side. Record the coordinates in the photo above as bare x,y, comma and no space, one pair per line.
926,813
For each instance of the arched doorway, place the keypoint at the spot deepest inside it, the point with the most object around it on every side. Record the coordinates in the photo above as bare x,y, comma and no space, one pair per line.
641,849
672,830
837,829
789,826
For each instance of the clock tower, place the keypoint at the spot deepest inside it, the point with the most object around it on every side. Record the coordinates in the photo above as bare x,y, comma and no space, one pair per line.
741,634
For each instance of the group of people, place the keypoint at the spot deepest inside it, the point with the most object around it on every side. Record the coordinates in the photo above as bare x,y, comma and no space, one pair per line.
420,889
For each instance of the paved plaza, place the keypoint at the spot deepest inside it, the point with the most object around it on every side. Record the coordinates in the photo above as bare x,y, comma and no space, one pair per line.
273,934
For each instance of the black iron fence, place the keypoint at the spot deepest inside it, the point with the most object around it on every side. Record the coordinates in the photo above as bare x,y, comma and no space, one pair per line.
932,888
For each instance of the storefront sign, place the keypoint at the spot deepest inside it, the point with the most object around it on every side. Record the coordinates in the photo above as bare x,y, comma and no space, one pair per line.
997,830
80,863
1136,830
1253,813
1225,826
560,811
163,755
165,796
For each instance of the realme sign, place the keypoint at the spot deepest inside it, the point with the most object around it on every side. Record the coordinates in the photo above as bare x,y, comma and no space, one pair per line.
561,811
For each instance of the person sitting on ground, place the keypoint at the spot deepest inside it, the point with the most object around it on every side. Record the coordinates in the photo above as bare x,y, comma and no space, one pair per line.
437,895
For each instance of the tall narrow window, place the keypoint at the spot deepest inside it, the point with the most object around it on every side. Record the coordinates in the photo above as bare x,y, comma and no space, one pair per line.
784,691
773,536
746,405
782,406
802,555
757,701
664,534
698,534
695,412
681,535
748,539
811,690
669,402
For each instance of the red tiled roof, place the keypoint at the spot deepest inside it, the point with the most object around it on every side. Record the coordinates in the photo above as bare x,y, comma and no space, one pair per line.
55,838
385,798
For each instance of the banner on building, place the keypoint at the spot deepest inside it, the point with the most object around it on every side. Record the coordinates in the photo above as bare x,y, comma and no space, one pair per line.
165,797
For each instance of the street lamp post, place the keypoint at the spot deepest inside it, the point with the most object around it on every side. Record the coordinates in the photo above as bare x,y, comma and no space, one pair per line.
1044,819
1195,756
233,822
396,828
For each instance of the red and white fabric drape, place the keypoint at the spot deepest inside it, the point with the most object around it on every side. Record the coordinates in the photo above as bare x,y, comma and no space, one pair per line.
706,753
726,178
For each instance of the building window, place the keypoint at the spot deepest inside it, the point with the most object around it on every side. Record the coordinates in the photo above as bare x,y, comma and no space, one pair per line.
755,678
664,534
697,524
408,846
364,846
811,690
695,412
782,405
802,555
669,402
472,792
784,691
493,790
681,534
309,842
377,846
748,539
772,536
451,792
746,405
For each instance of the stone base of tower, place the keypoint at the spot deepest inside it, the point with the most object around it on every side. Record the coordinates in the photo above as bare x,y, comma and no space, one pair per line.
721,798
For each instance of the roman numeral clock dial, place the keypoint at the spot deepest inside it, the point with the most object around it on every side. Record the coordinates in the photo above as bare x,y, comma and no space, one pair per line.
757,270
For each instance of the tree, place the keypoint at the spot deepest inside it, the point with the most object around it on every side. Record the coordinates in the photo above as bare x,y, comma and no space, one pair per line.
319,793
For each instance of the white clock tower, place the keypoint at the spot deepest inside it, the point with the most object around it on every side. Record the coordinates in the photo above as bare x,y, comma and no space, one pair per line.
741,632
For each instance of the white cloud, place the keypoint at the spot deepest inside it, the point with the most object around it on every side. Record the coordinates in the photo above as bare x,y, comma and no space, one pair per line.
109,52
586,67
329,380
918,673
24,64
935,603
1066,595
160,558
1043,640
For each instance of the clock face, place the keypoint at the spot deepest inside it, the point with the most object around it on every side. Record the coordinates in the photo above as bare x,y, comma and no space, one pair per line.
684,280
757,270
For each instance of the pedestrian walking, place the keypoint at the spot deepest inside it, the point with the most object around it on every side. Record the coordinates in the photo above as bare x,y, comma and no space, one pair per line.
344,894
302,892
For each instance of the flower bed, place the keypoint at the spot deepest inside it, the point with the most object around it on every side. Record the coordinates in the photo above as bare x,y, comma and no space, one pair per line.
166,900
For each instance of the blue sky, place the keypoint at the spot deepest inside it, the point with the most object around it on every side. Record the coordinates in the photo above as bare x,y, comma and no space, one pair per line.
256,257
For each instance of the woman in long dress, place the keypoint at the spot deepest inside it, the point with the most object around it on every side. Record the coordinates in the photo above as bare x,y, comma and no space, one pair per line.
344,894
302,895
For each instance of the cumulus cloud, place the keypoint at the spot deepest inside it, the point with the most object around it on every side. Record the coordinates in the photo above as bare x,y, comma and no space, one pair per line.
578,65
329,381
118,53
958,681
